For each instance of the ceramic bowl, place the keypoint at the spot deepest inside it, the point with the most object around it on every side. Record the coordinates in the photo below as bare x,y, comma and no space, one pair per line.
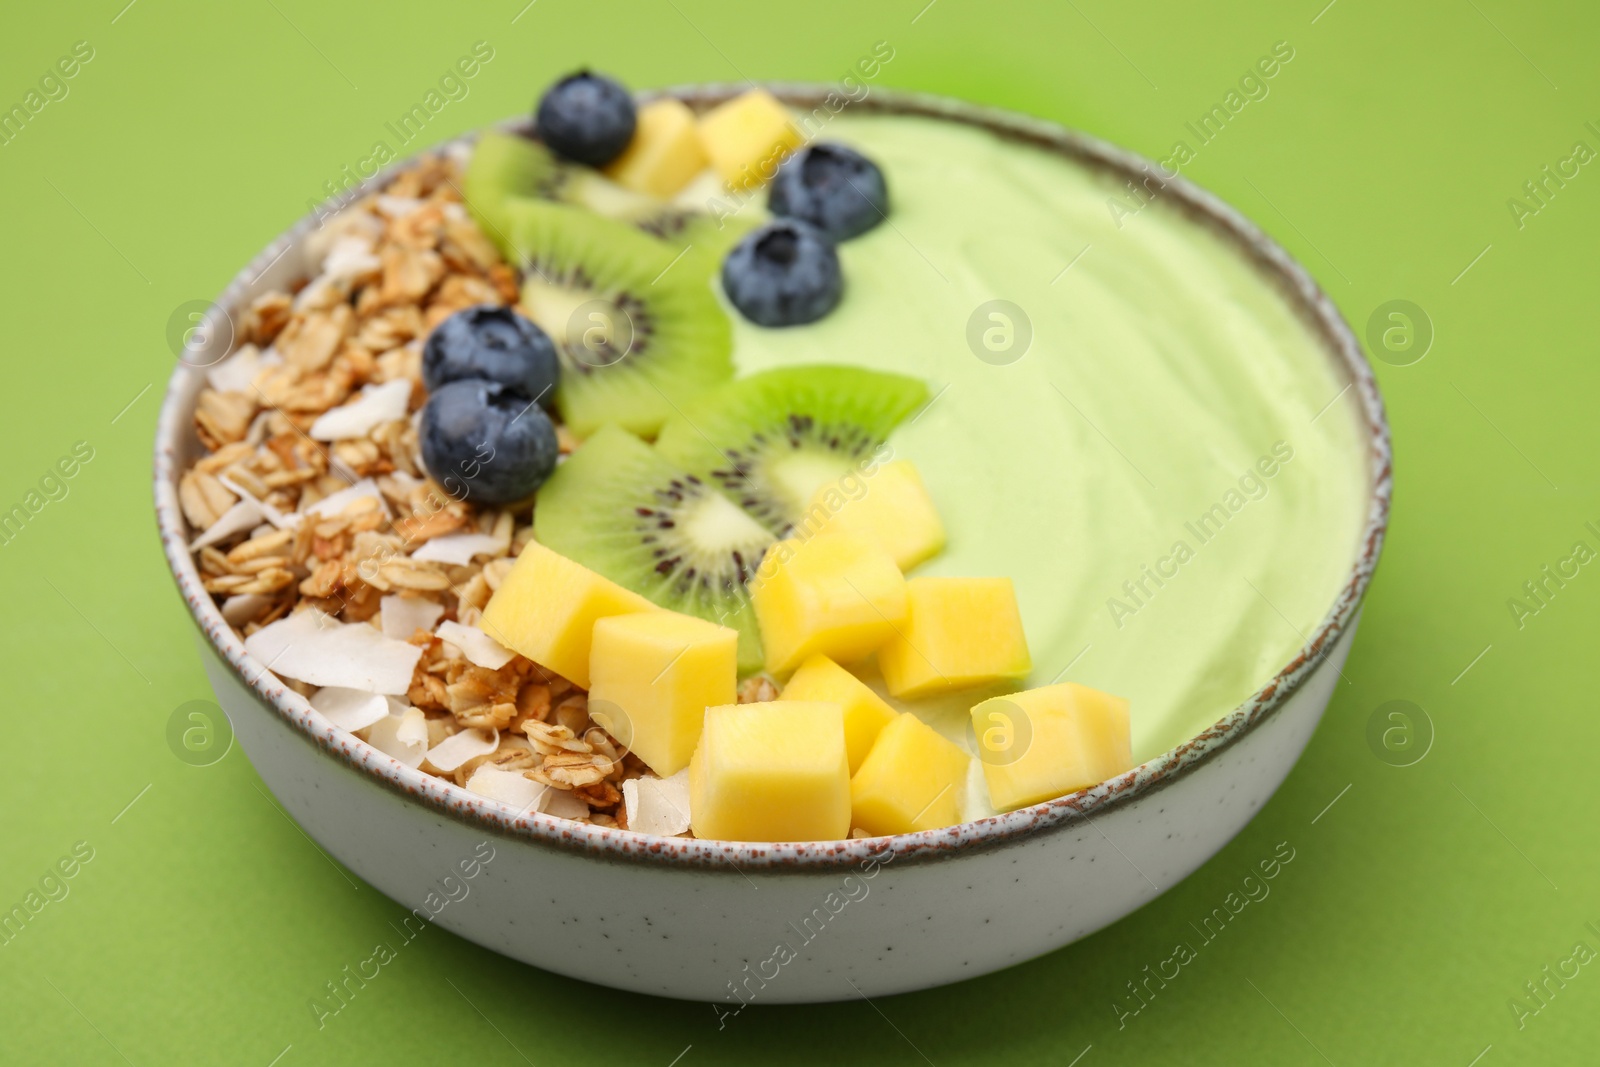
758,923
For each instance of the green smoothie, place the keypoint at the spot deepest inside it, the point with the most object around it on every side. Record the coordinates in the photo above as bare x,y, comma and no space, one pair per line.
1160,472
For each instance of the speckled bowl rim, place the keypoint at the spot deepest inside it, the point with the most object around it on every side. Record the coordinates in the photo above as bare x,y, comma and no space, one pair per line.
624,846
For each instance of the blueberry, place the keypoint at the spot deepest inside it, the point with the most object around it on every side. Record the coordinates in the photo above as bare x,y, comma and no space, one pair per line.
836,189
586,117
487,442
783,274
493,343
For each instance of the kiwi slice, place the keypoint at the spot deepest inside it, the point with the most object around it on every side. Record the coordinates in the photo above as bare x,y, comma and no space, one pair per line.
703,240
771,440
503,165
506,165
620,509
637,336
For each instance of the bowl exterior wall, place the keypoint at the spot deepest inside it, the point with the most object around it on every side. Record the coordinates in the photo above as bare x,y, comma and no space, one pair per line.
776,935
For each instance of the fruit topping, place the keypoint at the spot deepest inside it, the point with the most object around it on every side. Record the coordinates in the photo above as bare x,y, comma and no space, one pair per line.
586,117
865,712
834,188
635,336
913,779
494,343
651,677
665,153
773,771
766,529
838,595
747,137
546,608
770,441
486,442
784,274
506,167
961,632
619,507
890,505
1045,743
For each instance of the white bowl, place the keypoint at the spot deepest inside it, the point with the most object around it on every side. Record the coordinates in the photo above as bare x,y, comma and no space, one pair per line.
736,922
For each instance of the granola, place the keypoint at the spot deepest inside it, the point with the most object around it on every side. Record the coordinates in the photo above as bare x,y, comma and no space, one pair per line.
291,520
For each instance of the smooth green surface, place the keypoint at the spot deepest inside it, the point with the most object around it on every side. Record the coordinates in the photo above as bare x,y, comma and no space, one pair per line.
1150,445
1415,906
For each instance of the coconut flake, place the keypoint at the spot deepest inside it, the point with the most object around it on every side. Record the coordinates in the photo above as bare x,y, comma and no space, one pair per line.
350,709
477,646
377,404
349,262
350,256
658,806
458,548
282,520
397,207
563,805
337,502
404,736
456,749
403,616
311,647
508,787
244,607
242,516
257,431
236,373
354,221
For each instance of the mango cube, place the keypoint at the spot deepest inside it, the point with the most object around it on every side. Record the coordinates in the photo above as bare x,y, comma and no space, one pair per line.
961,632
839,595
652,676
665,151
546,609
894,509
747,137
913,779
865,712
771,771
1045,743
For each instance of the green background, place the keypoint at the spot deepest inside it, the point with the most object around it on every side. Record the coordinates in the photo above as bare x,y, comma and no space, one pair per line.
1417,904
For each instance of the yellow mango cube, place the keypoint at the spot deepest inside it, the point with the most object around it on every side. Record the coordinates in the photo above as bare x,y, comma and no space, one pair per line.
913,779
839,595
771,771
665,151
652,675
1045,743
747,137
960,632
890,505
546,609
865,712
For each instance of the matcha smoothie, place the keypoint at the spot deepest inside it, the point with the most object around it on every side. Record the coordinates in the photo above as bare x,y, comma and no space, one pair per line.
1160,472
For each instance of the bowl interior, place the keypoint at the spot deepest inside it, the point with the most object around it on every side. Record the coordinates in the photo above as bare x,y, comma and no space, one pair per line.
287,259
